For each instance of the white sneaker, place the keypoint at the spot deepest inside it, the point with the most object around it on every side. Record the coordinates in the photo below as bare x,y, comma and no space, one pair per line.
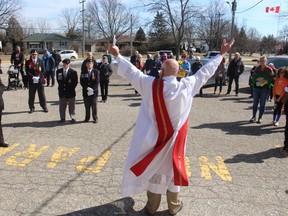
276,124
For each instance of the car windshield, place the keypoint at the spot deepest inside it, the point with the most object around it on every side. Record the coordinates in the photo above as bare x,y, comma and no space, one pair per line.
278,62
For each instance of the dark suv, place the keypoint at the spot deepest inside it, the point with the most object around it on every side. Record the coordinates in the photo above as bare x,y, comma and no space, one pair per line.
278,61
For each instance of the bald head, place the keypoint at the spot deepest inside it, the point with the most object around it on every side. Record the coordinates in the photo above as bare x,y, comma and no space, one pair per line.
89,55
170,67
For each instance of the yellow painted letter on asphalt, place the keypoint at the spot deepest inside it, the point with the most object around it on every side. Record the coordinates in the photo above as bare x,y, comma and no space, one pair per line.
26,157
221,170
100,163
4,151
60,155
188,168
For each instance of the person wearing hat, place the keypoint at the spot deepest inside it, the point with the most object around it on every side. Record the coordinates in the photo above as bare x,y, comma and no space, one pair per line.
89,55
67,79
89,80
35,70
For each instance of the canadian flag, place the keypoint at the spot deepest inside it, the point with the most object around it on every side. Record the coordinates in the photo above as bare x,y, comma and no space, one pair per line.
273,9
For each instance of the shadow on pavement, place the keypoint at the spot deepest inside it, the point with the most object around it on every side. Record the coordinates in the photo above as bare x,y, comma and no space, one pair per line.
256,157
242,127
119,207
44,124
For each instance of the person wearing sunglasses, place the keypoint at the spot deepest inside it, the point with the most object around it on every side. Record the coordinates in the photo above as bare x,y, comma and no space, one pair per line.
35,70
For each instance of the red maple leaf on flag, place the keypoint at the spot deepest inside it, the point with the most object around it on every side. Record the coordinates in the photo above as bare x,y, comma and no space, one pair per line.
273,9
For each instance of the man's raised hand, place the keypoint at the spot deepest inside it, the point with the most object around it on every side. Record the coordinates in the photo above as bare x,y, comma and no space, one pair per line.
225,47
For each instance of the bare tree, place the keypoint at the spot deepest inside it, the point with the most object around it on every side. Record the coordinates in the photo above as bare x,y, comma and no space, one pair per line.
7,9
28,26
110,17
70,20
211,27
178,13
254,39
43,26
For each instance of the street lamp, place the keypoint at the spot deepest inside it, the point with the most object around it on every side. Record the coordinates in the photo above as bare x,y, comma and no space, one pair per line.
233,9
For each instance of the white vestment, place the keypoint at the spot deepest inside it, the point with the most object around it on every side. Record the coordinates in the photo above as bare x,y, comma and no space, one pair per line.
178,96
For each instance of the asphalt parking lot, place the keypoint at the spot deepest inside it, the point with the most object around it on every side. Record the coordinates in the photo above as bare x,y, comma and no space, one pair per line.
235,167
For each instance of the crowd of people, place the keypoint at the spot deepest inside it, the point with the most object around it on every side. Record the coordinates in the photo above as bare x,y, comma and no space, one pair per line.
37,73
154,164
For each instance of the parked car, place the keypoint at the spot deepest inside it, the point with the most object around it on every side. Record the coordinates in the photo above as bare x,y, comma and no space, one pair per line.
169,53
211,54
70,54
211,81
278,61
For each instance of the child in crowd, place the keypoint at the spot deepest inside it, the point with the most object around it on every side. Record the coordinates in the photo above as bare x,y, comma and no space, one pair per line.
278,92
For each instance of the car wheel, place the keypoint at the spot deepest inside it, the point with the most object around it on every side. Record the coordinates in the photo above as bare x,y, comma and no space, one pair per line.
73,58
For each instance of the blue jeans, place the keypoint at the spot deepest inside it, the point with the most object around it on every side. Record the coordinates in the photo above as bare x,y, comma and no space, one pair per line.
259,96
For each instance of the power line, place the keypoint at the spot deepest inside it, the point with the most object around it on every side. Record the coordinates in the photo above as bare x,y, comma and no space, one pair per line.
250,7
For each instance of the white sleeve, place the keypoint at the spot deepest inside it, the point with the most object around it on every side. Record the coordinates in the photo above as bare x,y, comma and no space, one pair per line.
135,77
203,74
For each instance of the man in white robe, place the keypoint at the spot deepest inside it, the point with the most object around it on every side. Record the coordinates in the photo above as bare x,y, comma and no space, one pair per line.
158,175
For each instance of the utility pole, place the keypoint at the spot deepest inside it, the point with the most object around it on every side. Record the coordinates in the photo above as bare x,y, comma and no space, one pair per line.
218,29
83,29
234,6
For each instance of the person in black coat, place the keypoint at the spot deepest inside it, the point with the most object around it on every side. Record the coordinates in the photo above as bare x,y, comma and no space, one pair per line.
56,56
89,80
2,88
67,79
35,70
235,69
105,72
89,57
17,59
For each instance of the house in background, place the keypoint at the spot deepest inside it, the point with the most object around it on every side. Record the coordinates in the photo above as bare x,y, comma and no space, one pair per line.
123,41
50,41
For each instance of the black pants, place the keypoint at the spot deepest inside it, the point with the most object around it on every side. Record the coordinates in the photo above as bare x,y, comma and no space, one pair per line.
41,94
50,74
90,102
236,78
104,89
220,83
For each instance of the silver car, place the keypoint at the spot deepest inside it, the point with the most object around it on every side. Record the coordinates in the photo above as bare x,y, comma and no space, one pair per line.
211,81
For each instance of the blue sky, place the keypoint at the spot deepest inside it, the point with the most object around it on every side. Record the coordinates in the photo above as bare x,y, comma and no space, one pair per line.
256,17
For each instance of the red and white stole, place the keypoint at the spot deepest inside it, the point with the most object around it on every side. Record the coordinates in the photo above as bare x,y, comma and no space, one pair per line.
166,131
